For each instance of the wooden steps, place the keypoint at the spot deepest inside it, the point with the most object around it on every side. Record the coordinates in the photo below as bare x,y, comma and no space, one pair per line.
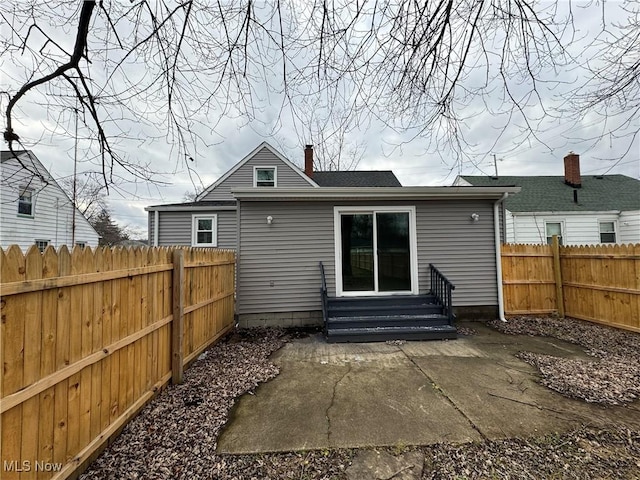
382,318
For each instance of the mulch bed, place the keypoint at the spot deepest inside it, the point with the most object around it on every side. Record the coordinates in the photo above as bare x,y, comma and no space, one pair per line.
612,378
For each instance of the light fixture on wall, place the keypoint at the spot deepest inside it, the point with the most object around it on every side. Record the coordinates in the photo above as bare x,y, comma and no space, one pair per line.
269,220
475,217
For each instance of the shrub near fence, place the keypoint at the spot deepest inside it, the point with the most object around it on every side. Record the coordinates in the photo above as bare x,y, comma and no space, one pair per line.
88,337
598,283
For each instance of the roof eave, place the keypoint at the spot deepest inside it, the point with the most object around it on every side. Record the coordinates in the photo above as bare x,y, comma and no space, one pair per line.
179,208
399,193
564,212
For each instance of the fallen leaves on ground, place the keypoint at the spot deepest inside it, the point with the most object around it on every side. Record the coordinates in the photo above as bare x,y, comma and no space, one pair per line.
612,378
584,453
466,331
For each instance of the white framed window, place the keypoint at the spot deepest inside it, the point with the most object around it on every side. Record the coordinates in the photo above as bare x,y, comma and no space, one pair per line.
607,232
25,202
554,228
81,244
265,176
41,244
204,231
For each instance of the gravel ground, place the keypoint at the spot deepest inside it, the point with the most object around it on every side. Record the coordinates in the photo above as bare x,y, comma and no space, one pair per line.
174,437
612,378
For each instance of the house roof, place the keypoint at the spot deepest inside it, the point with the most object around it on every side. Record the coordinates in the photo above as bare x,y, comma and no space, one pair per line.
7,155
551,194
373,193
357,178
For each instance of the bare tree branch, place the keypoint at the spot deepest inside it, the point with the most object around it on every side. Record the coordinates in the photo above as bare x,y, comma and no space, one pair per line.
423,70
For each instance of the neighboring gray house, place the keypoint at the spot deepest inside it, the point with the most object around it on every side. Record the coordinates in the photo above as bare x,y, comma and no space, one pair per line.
375,239
34,210
581,210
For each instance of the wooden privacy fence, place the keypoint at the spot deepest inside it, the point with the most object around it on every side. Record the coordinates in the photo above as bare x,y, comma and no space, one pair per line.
88,337
597,283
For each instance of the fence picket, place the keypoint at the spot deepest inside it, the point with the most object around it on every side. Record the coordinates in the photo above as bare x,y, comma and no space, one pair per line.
46,420
32,345
61,403
13,269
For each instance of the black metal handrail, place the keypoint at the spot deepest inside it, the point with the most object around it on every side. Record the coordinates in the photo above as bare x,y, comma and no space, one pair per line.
441,289
324,296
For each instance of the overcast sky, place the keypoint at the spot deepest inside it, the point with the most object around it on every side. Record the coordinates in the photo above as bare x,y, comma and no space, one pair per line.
413,160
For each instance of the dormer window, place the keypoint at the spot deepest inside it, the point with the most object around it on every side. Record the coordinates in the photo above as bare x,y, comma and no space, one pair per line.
265,176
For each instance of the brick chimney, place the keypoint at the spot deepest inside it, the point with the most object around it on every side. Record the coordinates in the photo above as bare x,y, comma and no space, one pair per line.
572,170
308,161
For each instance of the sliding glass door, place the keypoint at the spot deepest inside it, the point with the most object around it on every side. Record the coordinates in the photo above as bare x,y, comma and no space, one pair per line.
375,251
394,253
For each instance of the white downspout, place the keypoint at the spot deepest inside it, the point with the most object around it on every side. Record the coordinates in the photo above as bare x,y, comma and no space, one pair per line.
156,221
496,231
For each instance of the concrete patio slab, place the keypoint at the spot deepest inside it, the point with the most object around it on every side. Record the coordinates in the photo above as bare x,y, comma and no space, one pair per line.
399,406
377,394
373,464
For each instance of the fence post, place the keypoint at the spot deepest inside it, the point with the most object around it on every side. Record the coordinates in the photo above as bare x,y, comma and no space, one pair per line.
557,274
177,330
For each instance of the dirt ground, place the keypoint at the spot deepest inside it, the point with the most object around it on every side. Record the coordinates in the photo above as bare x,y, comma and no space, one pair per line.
175,436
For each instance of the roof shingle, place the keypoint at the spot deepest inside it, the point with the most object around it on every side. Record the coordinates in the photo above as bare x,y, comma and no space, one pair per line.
7,155
551,194
356,178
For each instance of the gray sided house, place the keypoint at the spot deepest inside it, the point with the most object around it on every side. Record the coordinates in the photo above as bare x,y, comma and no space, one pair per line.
389,253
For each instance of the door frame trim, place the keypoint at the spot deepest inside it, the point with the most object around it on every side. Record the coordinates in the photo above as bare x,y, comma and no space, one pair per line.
373,209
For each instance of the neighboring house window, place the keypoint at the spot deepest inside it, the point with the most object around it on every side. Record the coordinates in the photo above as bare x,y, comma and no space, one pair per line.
25,201
554,228
205,231
607,232
42,244
264,176
81,244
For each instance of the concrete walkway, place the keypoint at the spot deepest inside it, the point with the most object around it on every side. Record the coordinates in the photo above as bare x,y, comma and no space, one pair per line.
375,394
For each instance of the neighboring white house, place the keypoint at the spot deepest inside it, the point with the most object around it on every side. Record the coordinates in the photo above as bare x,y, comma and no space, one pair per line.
584,210
34,210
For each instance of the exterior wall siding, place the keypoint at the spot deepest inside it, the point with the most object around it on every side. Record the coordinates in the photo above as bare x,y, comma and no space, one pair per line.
243,177
278,263
175,227
150,231
463,250
577,229
52,212
629,227
510,227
